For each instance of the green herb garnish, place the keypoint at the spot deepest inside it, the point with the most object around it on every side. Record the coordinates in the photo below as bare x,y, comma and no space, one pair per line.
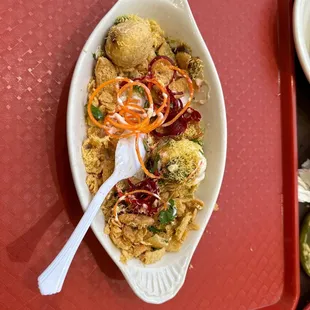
99,52
146,146
98,115
138,89
197,141
153,229
161,182
146,104
155,163
167,216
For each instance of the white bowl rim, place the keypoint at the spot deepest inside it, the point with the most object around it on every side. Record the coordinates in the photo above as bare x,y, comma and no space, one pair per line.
298,32
223,141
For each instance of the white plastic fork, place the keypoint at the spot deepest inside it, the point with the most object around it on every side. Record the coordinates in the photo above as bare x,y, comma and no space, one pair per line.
126,165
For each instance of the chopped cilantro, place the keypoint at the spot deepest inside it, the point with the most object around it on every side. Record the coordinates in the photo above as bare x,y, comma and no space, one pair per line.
197,141
161,182
155,163
98,115
146,104
167,216
153,229
99,52
146,146
138,89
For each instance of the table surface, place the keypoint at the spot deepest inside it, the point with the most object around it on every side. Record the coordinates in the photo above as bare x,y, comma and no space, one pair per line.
40,41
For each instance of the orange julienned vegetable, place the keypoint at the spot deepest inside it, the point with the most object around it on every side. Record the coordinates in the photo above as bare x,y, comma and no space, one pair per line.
130,85
130,119
92,97
125,125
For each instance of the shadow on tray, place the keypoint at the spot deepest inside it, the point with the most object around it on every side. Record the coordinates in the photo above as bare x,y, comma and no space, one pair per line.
67,189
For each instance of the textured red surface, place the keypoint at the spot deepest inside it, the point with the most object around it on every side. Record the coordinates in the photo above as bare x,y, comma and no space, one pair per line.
239,263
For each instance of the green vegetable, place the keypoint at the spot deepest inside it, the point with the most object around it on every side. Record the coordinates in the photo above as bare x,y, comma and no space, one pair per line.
146,146
99,52
161,182
138,89
153,229
197,141
155,163
146,104
98,115
305,245
167,216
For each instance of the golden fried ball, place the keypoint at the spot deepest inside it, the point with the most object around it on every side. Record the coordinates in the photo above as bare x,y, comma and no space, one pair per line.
179,159
129,43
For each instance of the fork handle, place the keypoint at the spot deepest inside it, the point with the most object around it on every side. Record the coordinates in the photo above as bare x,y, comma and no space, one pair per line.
51,280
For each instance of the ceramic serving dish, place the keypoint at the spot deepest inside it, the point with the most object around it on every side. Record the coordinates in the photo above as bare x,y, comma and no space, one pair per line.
161,281
301,31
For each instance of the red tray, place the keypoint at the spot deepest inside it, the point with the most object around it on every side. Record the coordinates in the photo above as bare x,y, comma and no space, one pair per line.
248,257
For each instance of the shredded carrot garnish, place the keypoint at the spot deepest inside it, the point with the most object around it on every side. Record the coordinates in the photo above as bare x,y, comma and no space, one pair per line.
134,100
97,90
130,118
130,85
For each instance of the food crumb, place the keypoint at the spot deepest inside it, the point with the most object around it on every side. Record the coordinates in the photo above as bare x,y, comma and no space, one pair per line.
216,207
191,266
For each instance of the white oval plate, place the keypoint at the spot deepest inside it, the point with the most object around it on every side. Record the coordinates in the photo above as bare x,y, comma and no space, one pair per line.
301,32
159,282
